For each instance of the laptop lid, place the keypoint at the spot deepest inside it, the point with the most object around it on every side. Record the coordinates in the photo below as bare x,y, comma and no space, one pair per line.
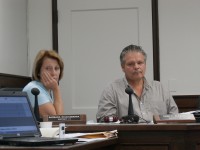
18,125
16,116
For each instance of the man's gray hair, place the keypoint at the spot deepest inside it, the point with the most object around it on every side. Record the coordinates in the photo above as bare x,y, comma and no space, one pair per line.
132,48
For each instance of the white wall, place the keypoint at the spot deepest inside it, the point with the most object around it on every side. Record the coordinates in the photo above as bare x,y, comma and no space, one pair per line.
25,28
179,22
13,37
179,40
39,28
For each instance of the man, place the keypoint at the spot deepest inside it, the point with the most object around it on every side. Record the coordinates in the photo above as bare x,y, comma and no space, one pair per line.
149,97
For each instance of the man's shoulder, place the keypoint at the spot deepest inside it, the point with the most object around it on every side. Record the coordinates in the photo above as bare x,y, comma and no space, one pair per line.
153,83
117,82
116,86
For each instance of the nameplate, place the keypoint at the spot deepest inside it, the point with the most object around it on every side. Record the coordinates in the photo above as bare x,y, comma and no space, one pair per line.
68,119
176,118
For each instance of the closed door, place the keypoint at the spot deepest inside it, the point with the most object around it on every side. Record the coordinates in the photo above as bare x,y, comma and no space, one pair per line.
91,34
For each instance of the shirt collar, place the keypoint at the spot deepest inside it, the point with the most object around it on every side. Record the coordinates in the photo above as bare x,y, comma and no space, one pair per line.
146,83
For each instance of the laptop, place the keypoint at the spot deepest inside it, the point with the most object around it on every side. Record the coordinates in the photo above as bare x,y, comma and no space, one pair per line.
18,125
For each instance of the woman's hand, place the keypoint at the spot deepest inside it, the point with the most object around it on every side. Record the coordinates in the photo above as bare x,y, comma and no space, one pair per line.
48,81
57,107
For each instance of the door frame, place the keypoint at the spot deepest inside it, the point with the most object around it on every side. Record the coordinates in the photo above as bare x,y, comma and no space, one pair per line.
155,34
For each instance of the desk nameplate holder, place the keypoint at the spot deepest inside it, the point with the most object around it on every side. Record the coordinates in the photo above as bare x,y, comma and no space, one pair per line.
68,119
174,118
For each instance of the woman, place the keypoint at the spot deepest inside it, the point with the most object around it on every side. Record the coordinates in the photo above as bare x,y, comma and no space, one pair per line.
47,72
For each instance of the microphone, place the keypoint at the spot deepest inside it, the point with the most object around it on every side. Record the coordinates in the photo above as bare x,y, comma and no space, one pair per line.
131,117
129,91
36,92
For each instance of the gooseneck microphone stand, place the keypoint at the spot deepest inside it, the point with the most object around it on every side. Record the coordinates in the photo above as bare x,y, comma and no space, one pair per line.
130,118
129,91
36,92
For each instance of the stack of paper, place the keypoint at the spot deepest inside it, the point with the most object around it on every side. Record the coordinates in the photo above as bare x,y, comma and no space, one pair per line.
86,137
106,134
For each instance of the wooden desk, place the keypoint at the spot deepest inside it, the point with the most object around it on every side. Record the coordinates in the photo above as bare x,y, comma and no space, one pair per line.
149,137
187,102
137,137
95,145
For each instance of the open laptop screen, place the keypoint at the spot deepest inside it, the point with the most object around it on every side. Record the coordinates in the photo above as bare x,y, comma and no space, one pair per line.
16,116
